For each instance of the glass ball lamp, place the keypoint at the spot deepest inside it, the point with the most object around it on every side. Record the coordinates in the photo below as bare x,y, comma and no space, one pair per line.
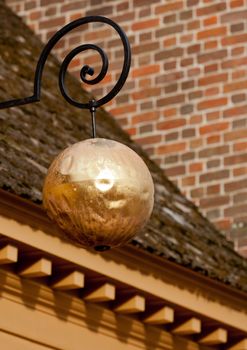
100,193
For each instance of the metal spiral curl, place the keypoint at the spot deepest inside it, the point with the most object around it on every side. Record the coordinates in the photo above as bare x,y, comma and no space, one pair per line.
85,69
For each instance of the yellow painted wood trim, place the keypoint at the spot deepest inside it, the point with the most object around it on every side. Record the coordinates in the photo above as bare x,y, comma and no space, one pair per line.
218,336
45,310
189,327
141,274
73,280
242,345
163,316
132,305
106,292
8,254
40,268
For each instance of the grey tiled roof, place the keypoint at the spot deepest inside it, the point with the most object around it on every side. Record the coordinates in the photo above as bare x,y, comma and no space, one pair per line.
30,137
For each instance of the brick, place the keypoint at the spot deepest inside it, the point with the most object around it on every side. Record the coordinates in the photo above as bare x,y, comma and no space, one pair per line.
186,109
172,136
195,95
171,88
238,85
238,98
196,143
213,189
166,54
235,135
213,214
146,70
192,2
123,6
170,100
213,151
170,112
193,25
211,116
236,3
197,193
212,91
195,119
188,181
147,24
195,48
236,159
210,45
123,110
176,147
213,202
235,111
187,61
146,140
207,104
170,42
213,79
238,198
212,128
210,21
234,39
212,56
145,117
234,16
175,171
195,167
235,185
170,19
238,27
214,163
166,78
236,210
171,124
188,133
170,7
240,146
233,63
146,93
143,48
143,2
188,156
178,28
171,159
72,5
184,15
170,65
52,23
215,175
146,129
213,139
209,33
212,9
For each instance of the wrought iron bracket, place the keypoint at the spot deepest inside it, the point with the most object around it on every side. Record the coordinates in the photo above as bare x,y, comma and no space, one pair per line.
86,70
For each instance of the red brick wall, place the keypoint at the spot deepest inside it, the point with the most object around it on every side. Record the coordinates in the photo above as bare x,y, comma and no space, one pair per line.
185,99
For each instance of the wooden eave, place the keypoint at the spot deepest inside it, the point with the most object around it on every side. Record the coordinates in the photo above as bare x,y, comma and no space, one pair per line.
206,312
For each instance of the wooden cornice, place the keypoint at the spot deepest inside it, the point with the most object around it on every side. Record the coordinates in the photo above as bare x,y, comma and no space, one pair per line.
129,271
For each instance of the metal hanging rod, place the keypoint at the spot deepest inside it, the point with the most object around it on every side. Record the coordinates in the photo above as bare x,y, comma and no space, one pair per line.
86,70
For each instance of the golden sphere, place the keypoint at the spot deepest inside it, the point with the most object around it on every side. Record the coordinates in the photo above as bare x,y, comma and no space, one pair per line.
99,192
